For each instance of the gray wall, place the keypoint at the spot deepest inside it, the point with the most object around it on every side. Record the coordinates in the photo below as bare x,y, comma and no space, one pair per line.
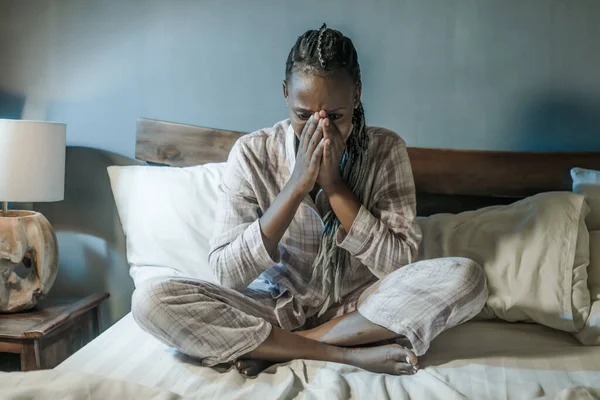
485,74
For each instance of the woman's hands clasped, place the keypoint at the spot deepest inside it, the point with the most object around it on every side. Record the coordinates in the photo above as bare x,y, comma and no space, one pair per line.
318,157
309,155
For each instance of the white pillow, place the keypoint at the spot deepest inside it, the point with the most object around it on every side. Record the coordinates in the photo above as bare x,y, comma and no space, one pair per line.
587,182
590,335
167,216
535,253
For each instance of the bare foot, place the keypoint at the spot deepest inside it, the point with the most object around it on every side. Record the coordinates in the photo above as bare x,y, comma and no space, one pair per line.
389,359
252,367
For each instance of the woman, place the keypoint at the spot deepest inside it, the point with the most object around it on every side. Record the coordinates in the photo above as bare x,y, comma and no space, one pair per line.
316,241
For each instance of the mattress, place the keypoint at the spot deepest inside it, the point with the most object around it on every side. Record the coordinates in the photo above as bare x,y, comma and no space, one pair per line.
479,359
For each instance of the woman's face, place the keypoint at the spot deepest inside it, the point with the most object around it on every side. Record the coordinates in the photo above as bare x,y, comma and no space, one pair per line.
336,94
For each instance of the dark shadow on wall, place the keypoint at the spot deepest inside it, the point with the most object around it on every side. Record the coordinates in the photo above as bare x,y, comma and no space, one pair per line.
11,105
92,246
559,121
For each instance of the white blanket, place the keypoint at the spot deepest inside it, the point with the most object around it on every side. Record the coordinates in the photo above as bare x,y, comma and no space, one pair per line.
299,381
68,385
477,360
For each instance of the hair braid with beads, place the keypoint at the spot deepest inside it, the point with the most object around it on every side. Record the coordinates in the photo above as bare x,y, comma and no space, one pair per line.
325,52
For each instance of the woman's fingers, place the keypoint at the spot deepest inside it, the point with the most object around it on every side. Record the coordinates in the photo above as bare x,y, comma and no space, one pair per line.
303,134
326,148
315,161
335,139
326,158
326,128
308,130
332,131
316,138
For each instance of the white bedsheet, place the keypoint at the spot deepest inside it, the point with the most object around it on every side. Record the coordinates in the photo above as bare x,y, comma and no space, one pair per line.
478,360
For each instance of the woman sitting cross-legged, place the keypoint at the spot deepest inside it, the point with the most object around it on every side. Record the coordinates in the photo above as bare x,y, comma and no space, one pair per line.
316,241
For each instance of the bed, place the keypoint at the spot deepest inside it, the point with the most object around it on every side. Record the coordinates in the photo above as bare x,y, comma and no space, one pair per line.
476,360
479,359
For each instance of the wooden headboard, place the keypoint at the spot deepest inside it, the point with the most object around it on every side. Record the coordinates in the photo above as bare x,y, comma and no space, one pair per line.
446,180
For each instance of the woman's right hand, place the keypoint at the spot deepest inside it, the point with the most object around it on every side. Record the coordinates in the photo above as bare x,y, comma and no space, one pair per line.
308,156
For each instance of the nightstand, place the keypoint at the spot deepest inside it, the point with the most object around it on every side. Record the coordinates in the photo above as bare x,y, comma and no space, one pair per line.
52,331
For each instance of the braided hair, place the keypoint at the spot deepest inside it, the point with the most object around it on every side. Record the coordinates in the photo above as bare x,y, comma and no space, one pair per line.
325,52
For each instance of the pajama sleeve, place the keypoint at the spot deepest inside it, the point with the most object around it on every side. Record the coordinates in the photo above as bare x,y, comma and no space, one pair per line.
237,252
385,236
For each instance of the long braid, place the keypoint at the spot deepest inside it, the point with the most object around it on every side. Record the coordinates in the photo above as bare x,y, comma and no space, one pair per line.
319,46
325,52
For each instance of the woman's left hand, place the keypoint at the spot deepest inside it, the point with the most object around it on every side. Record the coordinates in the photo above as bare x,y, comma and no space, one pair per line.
330,176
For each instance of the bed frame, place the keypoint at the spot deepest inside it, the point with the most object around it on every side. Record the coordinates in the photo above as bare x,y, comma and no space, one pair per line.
446,180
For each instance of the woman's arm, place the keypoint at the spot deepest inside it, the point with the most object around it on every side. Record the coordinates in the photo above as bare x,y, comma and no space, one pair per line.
237,252
344,203
246,243
278,217
386,237
342,200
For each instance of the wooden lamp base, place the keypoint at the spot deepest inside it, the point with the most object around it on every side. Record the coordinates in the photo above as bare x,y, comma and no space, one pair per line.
27,243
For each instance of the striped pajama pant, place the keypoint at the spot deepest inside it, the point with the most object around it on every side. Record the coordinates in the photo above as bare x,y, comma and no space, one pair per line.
216,324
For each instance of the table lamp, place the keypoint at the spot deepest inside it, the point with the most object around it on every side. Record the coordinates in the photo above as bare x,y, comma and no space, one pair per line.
32,169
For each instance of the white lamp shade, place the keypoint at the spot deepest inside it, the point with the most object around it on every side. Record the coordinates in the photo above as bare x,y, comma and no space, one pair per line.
32,161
